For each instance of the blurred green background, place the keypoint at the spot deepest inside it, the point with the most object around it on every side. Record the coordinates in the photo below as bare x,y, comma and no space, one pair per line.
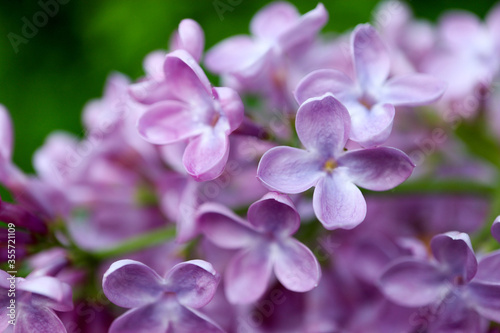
51,77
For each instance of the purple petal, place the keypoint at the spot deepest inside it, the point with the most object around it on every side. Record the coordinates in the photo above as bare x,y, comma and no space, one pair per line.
413,283
273,20
305,28
458,28
454,251
37,319
189,37
485,299
412,90
371,127
206,155
296,266
186,80
130,284
247,275
377,169
488,269
289,170
338,203
323,81
495,229
493,19
150,318
189,320
5,135
48,291
231,105
275,214
323,124
234,54
194,282
168,122
224,228
153,64
371,58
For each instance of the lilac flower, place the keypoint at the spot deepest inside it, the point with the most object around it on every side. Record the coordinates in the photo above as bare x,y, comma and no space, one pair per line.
265,242
371,97
322,126
193,110
36,299
258,63
454,279
161,304
495,229
189,37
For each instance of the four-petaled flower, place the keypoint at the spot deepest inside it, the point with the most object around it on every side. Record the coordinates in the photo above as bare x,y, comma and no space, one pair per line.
36,298
371,97
192,110
322,126
266,242
454,280
161,304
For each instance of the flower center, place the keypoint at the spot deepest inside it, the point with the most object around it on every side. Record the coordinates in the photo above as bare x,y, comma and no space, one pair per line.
215,119
330,165
367,101
458,280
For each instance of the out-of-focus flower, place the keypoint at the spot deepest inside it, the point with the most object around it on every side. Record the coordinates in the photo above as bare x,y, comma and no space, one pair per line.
454,279
371,98
258,63
193,110
36,299
466,57
265,242
322,126
161,304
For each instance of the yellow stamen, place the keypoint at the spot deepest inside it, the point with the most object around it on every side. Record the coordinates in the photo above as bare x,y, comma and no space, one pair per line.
330,165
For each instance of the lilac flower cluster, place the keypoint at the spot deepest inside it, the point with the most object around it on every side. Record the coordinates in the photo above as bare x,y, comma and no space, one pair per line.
191,205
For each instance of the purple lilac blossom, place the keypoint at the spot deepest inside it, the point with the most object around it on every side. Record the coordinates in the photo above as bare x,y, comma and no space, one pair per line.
161,304
265,244
322,126
372,96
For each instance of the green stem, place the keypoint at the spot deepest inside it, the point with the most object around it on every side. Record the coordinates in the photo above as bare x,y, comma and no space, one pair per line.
141,242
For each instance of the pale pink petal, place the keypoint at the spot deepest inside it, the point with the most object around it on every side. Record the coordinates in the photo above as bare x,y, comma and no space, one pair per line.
186,80
305,28
289,170
322,125
276,214
371,127
189,37
412,90
458,28
377,169
168,122
371,57
247,275
338,203
493,20
234,54
130,284
194,282
495,229
48,291
6,135
231,105
206,155
296,267
323,81
224,228
273,20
